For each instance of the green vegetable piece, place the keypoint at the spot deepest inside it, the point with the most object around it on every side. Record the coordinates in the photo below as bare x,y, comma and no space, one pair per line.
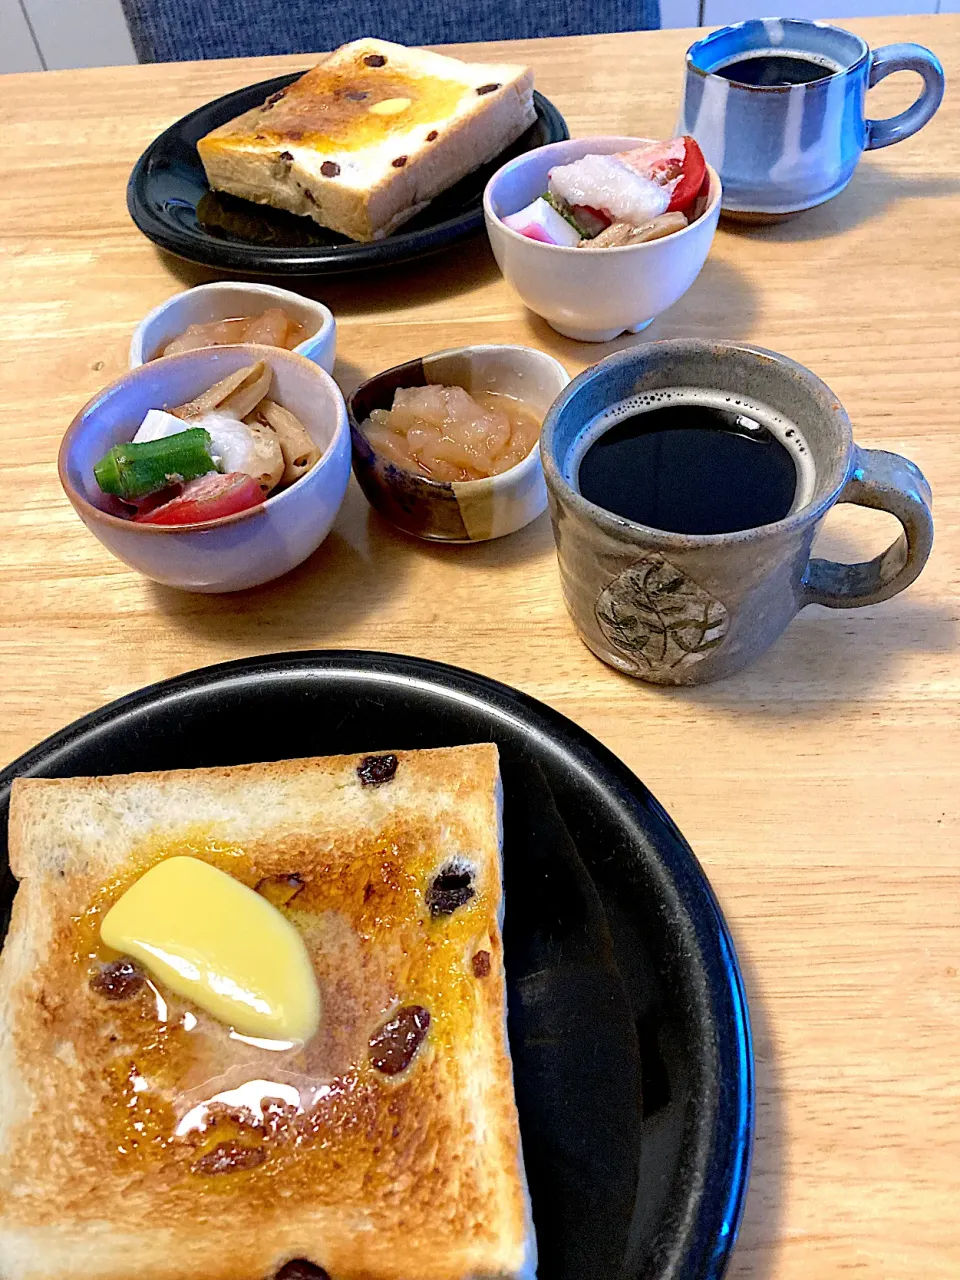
133,471
560,206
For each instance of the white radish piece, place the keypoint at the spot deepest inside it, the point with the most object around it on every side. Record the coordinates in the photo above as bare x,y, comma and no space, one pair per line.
216,334
157,425
237,446
606,183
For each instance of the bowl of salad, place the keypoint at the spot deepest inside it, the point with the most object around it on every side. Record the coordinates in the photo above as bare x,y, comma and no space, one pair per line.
600,235
214,470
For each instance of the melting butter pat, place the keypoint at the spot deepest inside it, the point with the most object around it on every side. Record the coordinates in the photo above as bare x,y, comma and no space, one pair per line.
389,106
219,944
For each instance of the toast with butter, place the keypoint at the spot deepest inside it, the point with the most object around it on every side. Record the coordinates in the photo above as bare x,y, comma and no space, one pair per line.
368,137
142,1136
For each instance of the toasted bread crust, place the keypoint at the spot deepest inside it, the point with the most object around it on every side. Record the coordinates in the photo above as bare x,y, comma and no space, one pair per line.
322,149
416,1176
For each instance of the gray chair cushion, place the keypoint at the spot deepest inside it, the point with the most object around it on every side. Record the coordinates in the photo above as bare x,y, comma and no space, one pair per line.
180,30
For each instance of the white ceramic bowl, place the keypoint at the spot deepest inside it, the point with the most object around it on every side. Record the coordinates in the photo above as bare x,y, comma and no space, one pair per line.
591,295
238,551
462,510
221,301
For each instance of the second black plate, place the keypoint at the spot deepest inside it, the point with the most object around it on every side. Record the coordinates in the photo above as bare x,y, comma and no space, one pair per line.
170,201
627,1019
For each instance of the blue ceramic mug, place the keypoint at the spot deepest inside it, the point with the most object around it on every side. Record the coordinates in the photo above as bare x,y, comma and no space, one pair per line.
780,148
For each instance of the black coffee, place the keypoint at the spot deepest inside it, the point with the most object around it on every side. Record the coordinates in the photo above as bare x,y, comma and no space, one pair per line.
691,467
774,70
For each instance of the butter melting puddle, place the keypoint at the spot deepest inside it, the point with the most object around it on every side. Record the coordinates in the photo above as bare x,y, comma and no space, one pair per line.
185,1071
269,1083
276,1045
259,1082
250,1098
163,1009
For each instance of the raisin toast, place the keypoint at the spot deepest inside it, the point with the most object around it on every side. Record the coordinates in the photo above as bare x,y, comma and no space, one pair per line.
385,1148
368,137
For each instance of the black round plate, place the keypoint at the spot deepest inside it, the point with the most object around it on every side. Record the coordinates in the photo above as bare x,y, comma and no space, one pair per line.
627,1018
170,201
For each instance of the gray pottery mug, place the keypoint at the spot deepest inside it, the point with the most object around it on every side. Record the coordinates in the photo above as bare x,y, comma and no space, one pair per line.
690,608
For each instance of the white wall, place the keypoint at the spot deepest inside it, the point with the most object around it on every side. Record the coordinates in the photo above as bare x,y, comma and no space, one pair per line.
680,13
716,13
37,35
18,50
80,33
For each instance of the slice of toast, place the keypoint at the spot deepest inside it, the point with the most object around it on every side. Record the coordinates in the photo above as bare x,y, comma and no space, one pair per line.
370,136
116,1159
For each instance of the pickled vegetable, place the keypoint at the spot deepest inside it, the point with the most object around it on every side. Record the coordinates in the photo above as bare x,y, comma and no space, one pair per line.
274,329
446,434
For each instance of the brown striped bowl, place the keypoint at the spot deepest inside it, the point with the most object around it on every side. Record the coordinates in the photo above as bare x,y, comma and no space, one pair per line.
468,510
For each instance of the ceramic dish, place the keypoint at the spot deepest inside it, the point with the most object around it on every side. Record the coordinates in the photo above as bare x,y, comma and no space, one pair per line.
223,300
469,510
236,551
627,1020
591,295
170,201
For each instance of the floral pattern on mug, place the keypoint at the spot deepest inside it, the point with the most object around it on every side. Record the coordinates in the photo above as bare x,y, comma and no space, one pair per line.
658,617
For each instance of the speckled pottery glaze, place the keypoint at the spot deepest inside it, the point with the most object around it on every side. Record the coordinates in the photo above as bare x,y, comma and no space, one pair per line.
471,510
681,609
783,149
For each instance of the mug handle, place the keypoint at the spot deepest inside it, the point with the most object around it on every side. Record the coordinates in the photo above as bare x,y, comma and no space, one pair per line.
904,57
889,483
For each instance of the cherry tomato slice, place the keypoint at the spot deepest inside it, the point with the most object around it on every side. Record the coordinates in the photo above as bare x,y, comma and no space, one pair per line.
692,176
210,497
677,160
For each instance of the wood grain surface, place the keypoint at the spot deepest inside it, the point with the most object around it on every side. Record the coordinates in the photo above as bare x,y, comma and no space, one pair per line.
820,789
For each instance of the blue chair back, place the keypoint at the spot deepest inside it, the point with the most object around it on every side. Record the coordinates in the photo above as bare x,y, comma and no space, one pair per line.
182,30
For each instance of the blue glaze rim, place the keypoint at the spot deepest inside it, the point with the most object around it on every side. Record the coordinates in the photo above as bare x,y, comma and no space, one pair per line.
716,37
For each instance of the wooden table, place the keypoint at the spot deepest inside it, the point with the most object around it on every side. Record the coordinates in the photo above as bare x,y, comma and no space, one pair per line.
820,789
